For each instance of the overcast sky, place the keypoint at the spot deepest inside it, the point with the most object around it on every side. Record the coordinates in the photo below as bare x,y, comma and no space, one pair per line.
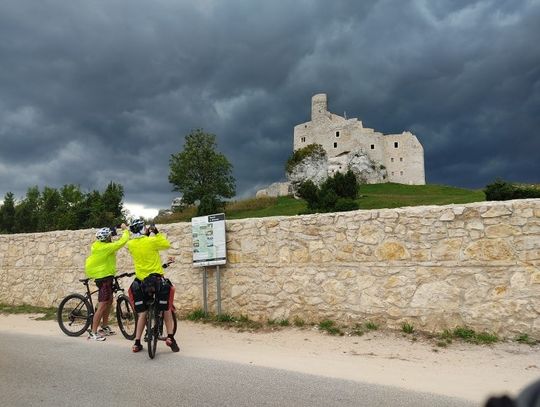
105,90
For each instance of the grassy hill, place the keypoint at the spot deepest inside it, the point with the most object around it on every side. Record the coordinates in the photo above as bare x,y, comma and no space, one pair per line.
374,196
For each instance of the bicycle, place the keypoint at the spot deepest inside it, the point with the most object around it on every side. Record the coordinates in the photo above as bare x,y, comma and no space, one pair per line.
76,311
155,317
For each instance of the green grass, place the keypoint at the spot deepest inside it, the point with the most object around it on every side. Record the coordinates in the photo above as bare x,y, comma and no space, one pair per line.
526,339
48,313
329,326
467,335
375,196
407,328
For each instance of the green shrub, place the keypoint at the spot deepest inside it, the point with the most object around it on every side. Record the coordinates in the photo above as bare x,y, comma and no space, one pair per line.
372,326
299,322
336,193
407,328
501,190
197,315
329,326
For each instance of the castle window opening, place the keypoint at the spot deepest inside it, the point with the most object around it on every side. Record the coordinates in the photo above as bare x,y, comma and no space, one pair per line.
373,146
392,172
303,139
401,173
392,159
401,159
337,133
335,145
395,144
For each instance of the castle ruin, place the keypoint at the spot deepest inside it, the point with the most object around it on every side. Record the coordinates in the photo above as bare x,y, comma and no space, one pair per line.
401,154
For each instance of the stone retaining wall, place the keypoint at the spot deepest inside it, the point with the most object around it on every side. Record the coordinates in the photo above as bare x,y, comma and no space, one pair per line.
435,267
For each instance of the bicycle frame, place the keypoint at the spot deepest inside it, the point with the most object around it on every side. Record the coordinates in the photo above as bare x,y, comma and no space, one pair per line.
117,290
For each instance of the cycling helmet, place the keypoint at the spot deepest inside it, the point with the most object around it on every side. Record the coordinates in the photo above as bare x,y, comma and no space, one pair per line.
136,225
103,234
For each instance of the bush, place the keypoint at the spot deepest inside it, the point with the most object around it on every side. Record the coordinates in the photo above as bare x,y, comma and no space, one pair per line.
501,190
336,194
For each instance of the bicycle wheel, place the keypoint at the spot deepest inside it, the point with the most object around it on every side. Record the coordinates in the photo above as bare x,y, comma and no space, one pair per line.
152,330
126,317
74,315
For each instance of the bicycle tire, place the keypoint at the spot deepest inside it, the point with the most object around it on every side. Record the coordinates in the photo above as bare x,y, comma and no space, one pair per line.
152,331
126,317
74,315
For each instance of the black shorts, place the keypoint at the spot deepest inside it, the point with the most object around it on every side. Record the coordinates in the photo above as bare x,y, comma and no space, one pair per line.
105,288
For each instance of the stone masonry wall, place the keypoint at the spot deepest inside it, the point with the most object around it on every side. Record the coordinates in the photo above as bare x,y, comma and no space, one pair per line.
436,267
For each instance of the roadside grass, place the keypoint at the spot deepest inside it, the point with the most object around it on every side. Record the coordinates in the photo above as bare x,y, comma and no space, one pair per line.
48,313
243,323
371,196
526,339
465,334
360,329
407,328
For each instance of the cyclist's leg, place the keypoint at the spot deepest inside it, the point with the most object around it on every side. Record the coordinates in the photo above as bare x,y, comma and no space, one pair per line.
141,325
106,312
104,299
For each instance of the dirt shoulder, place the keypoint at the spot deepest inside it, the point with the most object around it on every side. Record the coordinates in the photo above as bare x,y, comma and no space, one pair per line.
466,371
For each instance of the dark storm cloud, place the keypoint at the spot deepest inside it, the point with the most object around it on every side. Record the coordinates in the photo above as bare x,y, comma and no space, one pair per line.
106,90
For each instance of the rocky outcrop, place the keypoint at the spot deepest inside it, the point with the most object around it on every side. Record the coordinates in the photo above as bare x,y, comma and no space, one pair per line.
274,190
319,168
314,168
364,168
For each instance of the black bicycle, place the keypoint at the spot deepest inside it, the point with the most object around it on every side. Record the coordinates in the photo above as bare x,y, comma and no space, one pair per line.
76,311
155,318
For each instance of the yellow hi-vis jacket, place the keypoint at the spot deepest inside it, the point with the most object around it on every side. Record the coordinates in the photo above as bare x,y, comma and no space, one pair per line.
102,260
145,253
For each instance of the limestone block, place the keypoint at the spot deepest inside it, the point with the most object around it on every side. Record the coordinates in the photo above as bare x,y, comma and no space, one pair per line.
234,256
300,255
322,256
448,249
474,224
496,231
447,216
369,234
487,249
436,295
425,275
497,211
392,251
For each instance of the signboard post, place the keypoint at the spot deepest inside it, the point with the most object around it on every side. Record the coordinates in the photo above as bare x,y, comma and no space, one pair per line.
209,249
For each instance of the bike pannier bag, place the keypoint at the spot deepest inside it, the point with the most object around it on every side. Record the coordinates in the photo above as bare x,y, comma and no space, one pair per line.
162,296
136,296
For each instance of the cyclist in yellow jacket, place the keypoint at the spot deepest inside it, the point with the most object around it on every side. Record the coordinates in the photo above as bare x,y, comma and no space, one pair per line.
144,249
101,266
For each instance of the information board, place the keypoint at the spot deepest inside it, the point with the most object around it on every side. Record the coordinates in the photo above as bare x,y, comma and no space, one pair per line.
209,240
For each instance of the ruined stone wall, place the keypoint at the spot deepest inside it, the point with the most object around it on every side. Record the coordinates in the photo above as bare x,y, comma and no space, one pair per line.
338,134
436,267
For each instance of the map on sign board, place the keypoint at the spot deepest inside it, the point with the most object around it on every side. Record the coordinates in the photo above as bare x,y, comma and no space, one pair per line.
208,240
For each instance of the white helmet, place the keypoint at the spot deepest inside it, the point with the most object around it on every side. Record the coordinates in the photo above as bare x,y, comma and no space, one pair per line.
103,234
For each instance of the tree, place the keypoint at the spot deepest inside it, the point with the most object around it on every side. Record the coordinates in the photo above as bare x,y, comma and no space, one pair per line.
27,212
202,174
7,213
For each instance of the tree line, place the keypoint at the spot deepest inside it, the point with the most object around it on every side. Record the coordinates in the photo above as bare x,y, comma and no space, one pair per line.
67,208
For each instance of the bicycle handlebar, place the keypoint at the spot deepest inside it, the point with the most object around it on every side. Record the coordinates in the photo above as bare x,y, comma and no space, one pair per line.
125,275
